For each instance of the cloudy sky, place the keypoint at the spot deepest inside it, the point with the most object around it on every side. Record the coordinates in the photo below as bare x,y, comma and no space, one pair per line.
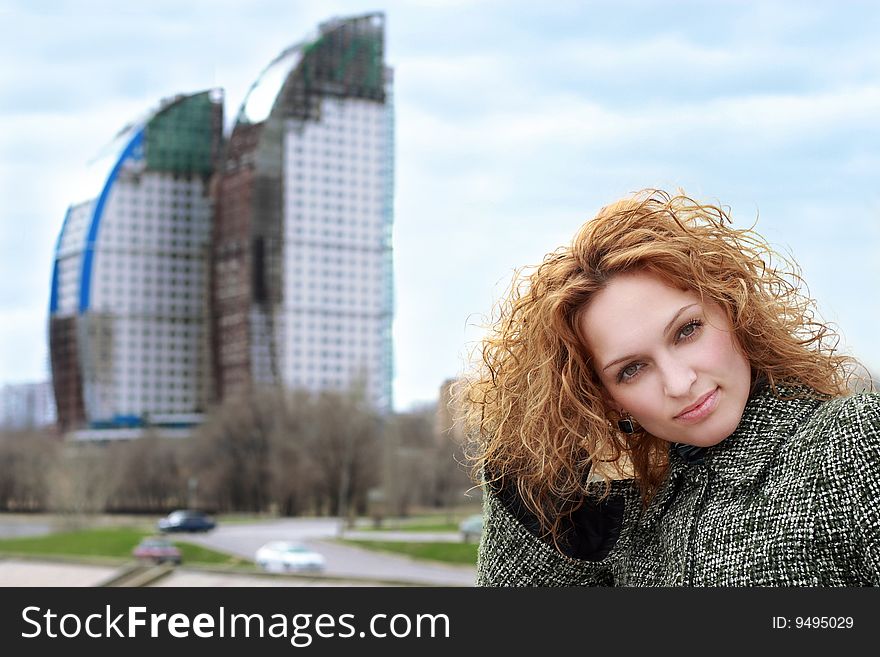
516,121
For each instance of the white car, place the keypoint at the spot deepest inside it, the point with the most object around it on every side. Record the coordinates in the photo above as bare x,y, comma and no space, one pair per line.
287,557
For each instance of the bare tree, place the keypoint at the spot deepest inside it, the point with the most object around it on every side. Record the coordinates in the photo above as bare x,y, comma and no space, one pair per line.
287,452
146,474
345,450
409,467
229,453
424,464
25,460
80,485
292,468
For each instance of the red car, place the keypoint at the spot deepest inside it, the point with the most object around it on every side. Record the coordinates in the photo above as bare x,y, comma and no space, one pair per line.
158,550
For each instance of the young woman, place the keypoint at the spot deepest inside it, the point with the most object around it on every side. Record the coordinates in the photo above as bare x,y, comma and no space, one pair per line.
657,406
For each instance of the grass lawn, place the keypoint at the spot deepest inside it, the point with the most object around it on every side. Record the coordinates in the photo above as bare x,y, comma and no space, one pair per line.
444,521
112,542
414,526
453,553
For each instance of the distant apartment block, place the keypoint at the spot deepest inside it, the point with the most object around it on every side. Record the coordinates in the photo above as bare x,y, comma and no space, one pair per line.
301,260
27,406
128,324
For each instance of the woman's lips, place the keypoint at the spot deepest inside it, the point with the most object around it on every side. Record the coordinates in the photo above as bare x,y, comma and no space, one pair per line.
704,407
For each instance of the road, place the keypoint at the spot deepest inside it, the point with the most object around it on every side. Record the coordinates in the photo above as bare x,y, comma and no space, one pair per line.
347,565
342,560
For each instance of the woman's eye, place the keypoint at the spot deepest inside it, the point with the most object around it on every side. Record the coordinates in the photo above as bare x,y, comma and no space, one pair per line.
629,371
689,329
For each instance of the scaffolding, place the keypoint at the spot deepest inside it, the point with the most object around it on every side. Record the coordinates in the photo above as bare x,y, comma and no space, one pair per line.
346,60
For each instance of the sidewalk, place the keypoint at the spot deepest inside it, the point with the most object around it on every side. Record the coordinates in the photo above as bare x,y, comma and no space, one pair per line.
22,572
36,573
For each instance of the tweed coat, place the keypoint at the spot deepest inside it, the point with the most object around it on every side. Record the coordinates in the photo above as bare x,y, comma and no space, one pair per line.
791,498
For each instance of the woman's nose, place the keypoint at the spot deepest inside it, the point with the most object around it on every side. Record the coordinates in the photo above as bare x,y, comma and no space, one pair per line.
678,377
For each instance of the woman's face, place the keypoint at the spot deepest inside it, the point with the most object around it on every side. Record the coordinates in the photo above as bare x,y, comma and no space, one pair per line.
667,359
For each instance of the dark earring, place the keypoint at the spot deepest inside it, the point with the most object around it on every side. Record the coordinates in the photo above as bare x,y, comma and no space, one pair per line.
627,424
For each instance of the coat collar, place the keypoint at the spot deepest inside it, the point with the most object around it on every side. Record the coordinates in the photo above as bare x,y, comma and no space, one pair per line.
769,419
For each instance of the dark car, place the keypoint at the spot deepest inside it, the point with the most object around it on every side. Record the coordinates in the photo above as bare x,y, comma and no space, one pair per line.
158,550
186,521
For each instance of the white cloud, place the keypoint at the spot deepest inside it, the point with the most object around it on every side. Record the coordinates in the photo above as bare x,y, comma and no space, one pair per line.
752,121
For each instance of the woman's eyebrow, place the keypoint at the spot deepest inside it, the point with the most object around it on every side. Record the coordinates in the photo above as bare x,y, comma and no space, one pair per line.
680,311
665,331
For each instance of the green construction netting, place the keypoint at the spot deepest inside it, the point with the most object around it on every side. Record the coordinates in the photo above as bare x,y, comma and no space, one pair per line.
352,59
181,137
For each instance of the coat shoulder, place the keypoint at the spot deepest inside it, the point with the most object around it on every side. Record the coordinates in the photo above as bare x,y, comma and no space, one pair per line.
515,552
848,428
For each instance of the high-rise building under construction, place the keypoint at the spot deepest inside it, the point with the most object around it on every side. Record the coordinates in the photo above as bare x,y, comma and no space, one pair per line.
198,269
302,262
128,320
